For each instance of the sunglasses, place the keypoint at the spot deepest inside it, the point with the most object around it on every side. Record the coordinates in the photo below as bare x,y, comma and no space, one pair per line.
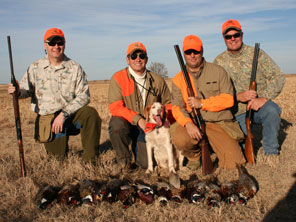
236,35
188,52
53,43
141,55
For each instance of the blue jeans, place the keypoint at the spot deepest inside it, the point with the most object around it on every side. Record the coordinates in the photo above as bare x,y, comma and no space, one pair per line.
269,116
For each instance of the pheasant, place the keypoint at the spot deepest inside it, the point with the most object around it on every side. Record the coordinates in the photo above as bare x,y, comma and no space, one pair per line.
46,196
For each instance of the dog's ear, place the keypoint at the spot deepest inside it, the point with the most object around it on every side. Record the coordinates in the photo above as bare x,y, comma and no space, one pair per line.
164,109
164,112
146,112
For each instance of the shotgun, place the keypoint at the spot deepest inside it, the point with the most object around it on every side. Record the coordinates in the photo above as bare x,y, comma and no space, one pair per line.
17,113
249,149
207,165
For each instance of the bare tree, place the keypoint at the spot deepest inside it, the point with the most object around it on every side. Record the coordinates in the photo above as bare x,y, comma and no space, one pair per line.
159,68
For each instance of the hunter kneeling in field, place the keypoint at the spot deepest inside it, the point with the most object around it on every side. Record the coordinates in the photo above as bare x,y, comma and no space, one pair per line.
213,97
60,94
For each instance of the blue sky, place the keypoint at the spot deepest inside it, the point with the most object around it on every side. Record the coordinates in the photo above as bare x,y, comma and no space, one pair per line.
99,32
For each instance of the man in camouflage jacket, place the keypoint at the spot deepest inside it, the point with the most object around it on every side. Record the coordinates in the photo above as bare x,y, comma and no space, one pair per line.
58,85
237,61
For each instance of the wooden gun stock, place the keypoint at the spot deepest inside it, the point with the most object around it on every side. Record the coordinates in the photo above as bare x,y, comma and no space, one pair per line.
207,164
249,149
17,114
206,161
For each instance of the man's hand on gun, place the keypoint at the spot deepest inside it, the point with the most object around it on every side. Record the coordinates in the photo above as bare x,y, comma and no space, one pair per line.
256,103
194,102
246,95
192,129
11,88
250,96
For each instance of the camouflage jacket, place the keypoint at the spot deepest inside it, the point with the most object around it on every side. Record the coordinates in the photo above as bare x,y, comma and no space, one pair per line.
269,78
55,88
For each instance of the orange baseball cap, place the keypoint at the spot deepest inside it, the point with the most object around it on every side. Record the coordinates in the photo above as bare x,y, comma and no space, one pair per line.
192,42
136,46
53,32
231,24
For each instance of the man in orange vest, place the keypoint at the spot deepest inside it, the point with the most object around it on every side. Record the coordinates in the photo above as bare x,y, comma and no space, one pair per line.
131,90
214,97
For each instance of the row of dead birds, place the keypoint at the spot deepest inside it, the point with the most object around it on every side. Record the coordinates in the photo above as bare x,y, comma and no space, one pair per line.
209,192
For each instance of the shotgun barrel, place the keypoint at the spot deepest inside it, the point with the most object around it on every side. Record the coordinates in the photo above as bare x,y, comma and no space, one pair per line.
17,113
207,164
249,149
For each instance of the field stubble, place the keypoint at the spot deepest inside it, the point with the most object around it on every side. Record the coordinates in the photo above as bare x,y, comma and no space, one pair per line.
275,200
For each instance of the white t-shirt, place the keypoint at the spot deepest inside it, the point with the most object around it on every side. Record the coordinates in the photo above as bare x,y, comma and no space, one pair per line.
141,81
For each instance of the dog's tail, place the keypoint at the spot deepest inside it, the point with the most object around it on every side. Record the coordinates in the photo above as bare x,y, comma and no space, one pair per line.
174,180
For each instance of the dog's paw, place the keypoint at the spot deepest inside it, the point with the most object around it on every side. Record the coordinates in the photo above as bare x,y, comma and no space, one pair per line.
174,180
172,170
148,171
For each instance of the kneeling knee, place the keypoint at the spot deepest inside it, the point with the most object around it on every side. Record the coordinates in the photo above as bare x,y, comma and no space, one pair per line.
117,123
272,109
92,113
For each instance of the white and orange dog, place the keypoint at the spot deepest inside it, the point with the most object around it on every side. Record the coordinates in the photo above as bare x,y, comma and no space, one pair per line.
158,141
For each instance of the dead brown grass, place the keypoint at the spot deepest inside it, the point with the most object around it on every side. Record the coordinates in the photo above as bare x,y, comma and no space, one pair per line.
275,200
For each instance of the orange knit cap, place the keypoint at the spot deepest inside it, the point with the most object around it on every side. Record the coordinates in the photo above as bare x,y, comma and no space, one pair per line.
192,42
53,32
231,24
135,46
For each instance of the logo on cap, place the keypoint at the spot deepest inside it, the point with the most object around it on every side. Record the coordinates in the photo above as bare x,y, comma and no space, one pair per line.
134,46
192,42
231,23
53,32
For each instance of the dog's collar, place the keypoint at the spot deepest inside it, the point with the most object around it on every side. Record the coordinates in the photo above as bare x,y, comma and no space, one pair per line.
150,127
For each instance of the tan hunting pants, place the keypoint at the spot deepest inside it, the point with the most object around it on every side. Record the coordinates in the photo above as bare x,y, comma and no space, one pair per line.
227,149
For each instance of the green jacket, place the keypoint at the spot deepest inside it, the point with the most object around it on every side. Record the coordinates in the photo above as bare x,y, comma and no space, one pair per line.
125,99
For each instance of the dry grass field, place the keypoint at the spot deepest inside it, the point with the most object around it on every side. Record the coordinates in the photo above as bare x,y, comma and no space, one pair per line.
275,200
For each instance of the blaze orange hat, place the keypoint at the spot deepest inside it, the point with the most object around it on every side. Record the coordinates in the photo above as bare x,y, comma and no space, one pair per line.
231,24
192,42
135,46
53,32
